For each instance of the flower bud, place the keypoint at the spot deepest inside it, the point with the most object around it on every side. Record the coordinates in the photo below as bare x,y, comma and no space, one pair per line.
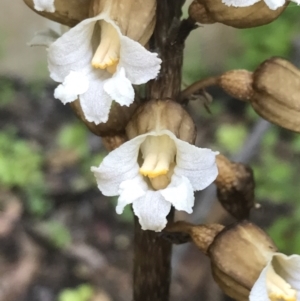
67,12
116,123
240,17
237,83
157,115
276,83
198,13
235,187
238,255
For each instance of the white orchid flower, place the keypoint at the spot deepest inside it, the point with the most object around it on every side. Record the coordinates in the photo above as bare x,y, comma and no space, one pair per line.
272,4
99,75
172,170
44,5
279,280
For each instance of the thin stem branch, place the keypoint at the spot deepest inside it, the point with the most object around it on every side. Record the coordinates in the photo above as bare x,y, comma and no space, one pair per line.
199,85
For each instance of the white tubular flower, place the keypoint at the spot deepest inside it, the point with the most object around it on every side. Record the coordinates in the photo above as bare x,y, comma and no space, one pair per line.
109,69
279,280
272,4
154,171
44,5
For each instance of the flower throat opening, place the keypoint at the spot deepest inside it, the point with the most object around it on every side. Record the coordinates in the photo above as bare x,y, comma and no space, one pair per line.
107,54
278,289
158,153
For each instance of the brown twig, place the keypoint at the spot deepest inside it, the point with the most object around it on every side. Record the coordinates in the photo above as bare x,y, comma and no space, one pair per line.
199,85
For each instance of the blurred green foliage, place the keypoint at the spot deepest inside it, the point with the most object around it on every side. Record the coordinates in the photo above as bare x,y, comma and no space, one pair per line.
20,162
57,233
7,93
261,43
74,137
83,292
21,168
231,137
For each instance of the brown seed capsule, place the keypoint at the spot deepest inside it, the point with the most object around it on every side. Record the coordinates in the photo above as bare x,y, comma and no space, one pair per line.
238,255
117,119
235,187
241,17
276,83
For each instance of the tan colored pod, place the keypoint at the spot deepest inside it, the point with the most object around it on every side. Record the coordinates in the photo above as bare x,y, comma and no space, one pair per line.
69,12
117,119
276,84
238,255
241,17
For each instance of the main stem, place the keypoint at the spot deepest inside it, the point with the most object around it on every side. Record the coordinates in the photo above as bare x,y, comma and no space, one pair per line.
152,254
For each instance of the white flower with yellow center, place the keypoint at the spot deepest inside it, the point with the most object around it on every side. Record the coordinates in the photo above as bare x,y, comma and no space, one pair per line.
97,63
272,4
44,5
154,171
279,280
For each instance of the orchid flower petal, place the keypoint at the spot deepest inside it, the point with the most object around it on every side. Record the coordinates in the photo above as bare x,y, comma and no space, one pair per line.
73,85
196,164
180,194
44,5
288,267
281,277
152,210
119,88
95,102
259,290
72,51
44,38
120,165
239,3
274,4
140,64
130,190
